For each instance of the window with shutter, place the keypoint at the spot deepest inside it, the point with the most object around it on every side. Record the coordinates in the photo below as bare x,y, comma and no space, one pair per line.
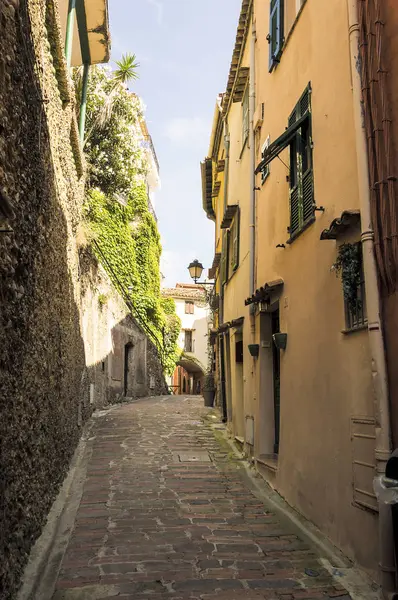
188,341
224,258
189,307
265,171
234,244
275,36
245,115
301,171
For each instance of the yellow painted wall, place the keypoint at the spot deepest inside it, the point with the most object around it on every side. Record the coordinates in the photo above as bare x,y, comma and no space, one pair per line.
325,374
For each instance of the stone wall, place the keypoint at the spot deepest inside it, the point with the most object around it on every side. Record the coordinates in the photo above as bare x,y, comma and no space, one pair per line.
44,381
122,362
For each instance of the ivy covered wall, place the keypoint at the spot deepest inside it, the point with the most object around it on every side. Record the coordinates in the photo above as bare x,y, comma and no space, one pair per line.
125,235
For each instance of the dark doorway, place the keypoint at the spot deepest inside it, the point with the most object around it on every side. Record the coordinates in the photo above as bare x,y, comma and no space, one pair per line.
222,379
277,379
184,385
128,368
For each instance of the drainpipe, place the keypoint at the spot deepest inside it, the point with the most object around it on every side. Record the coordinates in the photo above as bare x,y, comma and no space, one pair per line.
227,144
376,342
252,104
70,23
83,103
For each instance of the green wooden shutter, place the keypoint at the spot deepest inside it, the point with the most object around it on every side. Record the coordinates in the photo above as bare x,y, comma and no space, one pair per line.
275,37
235,240
302,192
224,258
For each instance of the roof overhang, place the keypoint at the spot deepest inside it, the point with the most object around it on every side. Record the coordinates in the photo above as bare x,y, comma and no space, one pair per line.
215,265
230,212
349,219
240,84
91,37
240,41
264,294
207,188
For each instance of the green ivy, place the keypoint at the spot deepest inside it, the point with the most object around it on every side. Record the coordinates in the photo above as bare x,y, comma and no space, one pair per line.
127,240
348,266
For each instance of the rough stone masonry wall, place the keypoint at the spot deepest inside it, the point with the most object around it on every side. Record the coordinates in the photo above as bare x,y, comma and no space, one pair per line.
108,328
44,374
41,350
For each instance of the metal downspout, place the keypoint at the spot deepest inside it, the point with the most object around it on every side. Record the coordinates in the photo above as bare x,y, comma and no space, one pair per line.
70,23
83,103
227,145
376,342
252,104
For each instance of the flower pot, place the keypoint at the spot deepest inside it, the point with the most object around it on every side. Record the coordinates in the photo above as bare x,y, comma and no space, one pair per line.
208,396
254,350
280,340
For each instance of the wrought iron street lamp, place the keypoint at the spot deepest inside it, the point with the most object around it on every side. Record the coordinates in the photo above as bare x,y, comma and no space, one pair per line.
195,269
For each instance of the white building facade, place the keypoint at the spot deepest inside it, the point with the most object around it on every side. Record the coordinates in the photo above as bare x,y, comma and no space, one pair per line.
193,310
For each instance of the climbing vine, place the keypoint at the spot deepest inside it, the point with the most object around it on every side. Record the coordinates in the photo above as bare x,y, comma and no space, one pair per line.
127,240
348,266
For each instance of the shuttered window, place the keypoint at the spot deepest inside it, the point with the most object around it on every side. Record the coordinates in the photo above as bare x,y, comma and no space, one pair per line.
245,115
275,36
234,244
265,170
301,171
189,307
224,258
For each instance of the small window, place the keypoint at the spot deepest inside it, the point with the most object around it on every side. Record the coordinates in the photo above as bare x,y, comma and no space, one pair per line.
355,312
245,115
239,351
188,341
234,244
189,307
275,36
301,179
265,171
224,257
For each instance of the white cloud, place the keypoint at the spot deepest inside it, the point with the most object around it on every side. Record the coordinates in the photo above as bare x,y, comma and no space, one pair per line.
187,131
159,9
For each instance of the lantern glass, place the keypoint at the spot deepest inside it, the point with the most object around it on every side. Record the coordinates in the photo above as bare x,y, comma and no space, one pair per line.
195,270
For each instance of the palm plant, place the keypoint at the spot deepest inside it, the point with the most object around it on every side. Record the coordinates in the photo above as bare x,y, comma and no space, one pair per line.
126,71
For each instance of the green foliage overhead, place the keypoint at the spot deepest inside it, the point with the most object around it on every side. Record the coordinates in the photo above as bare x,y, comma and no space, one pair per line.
126,232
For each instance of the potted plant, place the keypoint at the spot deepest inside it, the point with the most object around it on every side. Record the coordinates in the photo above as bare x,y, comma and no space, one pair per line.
209,389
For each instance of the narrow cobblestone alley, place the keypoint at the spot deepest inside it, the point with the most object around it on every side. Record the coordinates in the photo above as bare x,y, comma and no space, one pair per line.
166,513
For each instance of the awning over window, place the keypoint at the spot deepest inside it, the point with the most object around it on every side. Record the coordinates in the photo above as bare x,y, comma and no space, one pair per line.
229,324
207,188
281,143
348,220
263,294
230,212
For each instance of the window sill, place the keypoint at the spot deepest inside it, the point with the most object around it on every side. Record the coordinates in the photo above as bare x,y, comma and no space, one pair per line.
300,231
268,460
354,329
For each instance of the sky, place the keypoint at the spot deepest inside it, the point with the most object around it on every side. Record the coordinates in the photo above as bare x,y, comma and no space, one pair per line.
184,48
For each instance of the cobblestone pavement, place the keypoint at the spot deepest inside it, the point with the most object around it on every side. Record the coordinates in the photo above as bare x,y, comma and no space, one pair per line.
166,513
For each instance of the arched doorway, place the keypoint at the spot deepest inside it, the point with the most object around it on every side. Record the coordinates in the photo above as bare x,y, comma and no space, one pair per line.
188,377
